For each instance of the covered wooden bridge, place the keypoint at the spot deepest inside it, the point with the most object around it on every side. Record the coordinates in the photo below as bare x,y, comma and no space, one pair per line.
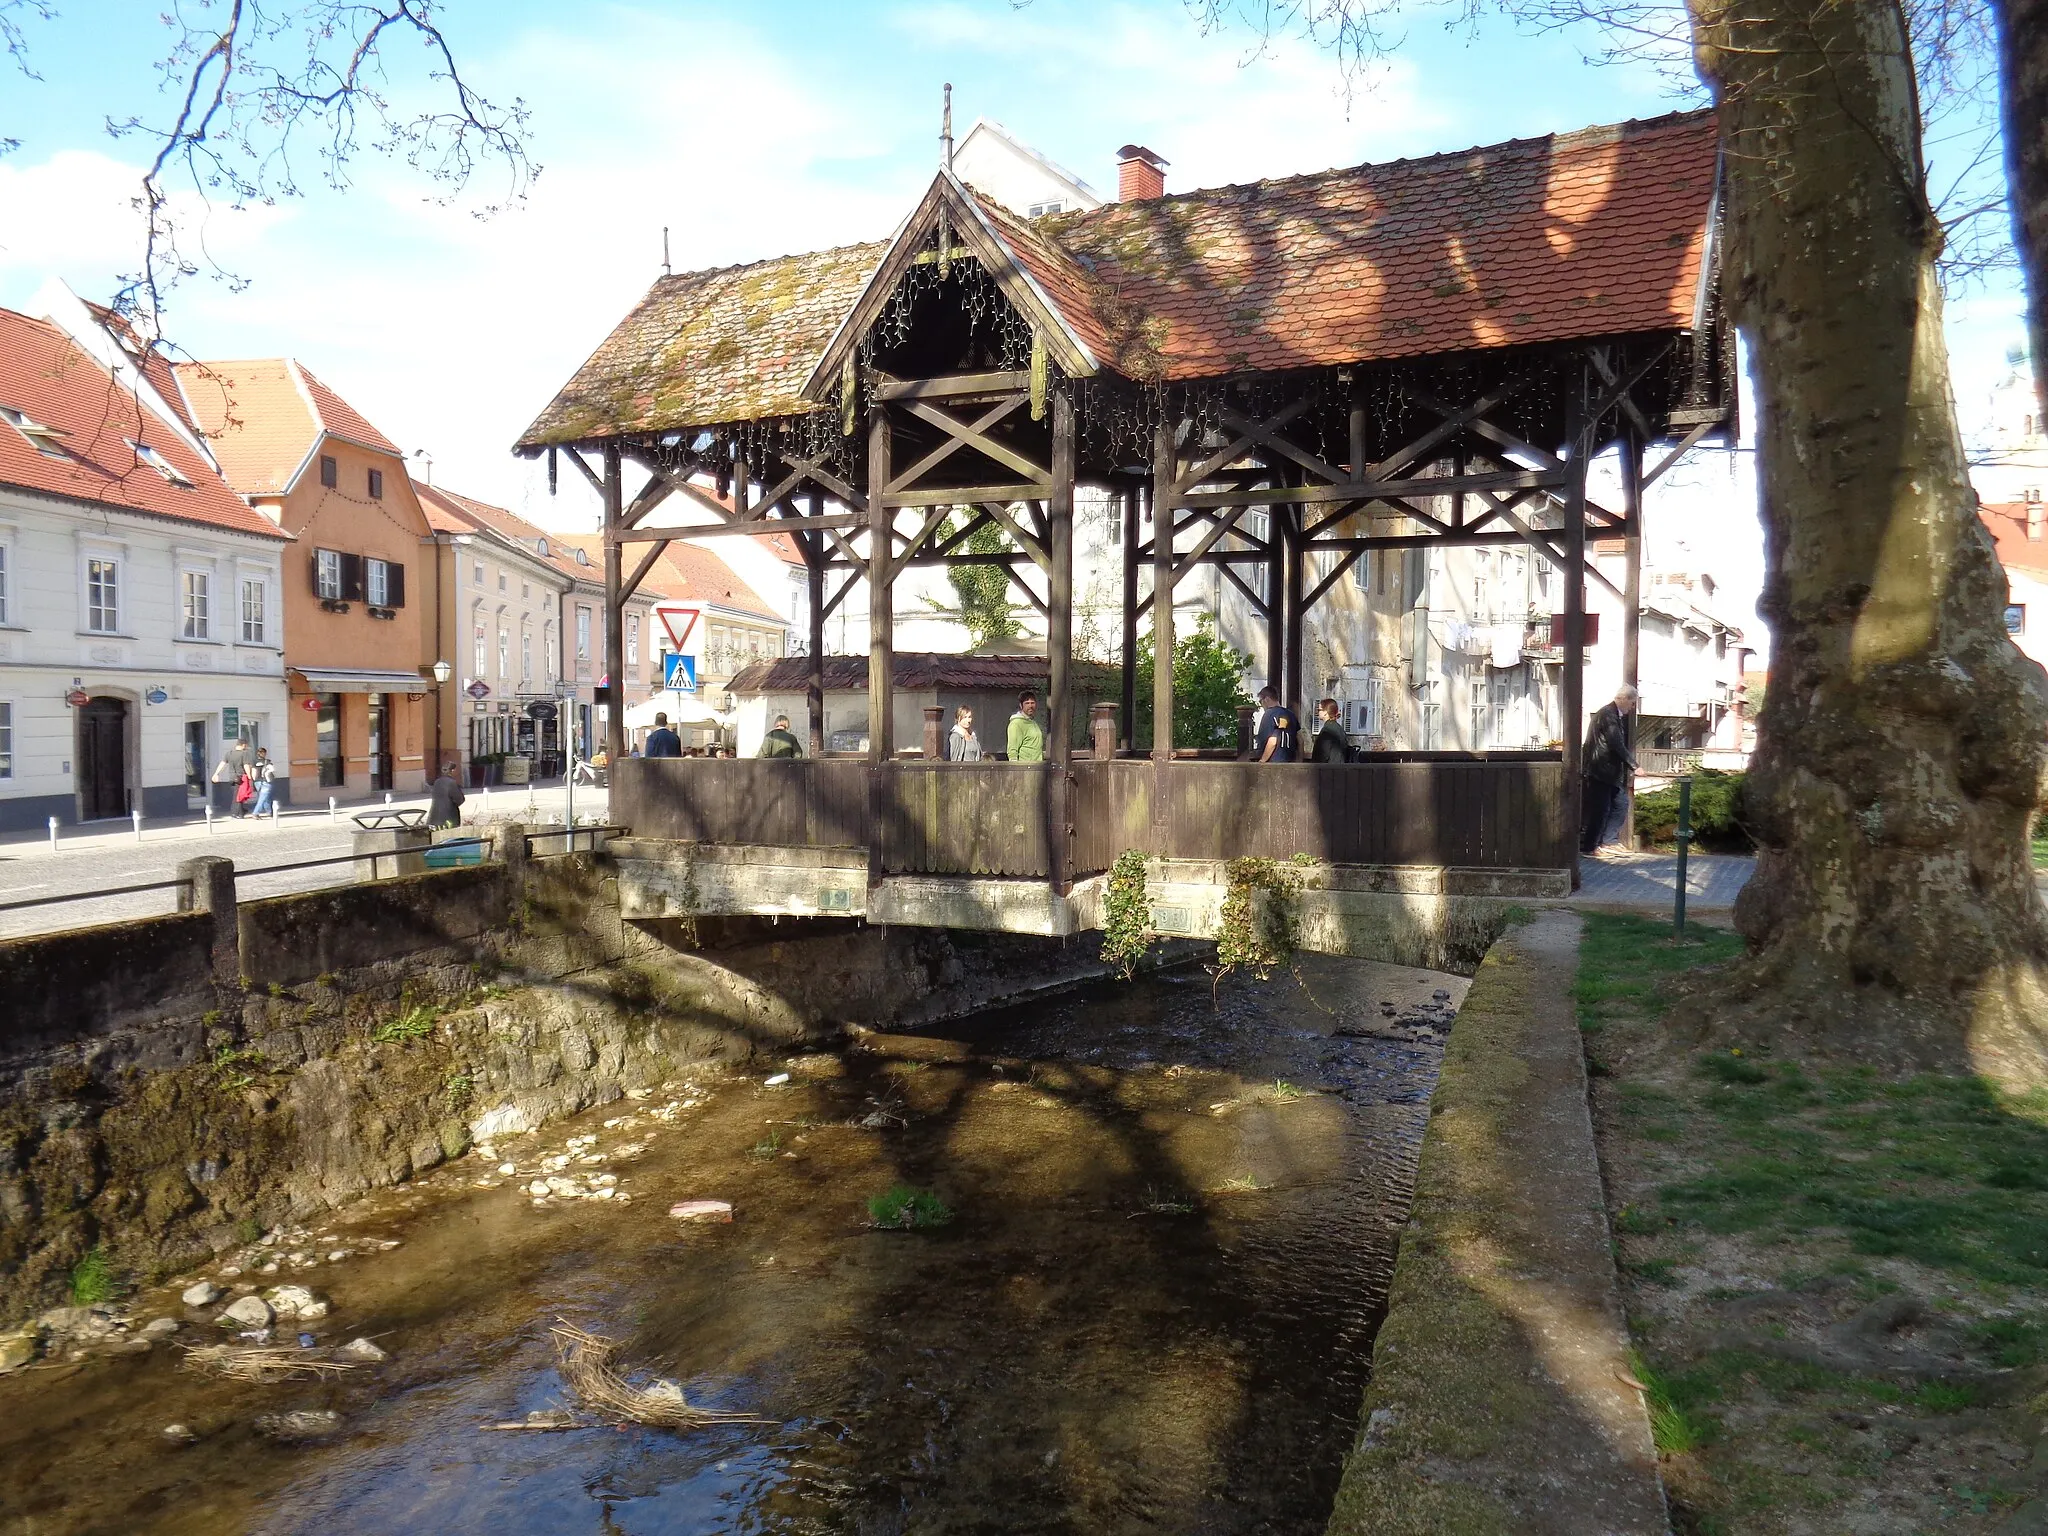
1389,357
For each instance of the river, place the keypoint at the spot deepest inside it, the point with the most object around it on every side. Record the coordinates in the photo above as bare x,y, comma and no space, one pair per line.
1174,1218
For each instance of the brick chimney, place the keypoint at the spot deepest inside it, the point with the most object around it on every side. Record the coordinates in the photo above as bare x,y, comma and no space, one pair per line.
1140,174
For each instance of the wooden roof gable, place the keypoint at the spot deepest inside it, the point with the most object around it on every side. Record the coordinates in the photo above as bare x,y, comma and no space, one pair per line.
1020,274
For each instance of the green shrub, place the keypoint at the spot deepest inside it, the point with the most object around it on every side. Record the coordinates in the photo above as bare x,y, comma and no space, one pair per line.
414,1024
1127,915
1719,823
909,1209
93,1280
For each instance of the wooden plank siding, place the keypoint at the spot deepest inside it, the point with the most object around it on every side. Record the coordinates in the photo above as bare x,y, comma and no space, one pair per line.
991,819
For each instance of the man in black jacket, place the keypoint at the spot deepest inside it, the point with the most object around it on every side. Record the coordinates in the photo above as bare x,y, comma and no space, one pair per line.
1609,759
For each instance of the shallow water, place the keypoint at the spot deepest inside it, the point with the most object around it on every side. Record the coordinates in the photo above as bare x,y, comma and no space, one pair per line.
1153,1311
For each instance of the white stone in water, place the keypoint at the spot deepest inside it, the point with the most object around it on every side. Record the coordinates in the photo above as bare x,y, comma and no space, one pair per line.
565,1189
362,1349
249,1312
160,1327
508,1169
230,1271
296,1301
388,1244
556,1163
606,1180
338,1255
601,1194
777,1080
201,1293
537,1187
506,1120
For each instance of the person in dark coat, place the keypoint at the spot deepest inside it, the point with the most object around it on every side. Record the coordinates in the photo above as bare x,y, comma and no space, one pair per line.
1331,745
781,742
1608,761
445,810
661,741
1277,736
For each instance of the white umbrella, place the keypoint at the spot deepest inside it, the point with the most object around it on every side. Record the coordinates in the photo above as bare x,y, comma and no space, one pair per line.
681,711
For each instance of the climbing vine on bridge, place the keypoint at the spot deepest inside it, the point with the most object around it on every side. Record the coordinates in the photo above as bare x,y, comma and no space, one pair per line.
1254,935
1126,915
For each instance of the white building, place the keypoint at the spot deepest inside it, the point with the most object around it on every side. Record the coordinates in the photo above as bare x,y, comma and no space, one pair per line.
140,598
996,163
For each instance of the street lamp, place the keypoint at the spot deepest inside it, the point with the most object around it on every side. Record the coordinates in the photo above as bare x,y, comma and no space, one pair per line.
442,672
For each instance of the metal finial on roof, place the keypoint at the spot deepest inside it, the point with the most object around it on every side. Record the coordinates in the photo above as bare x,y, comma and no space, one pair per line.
946,132
666,270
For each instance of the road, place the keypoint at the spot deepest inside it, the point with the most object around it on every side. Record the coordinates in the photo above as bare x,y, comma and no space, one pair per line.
96,860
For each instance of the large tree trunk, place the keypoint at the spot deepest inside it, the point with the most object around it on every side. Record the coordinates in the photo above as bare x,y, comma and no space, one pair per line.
2023,71
1893,914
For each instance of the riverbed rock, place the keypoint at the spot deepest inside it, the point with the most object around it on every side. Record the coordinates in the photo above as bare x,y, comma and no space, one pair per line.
202,1293
160,1327
293,1301
249,1312
363,1350
565,1189
17,1349
180,1434
300,1425
701,1210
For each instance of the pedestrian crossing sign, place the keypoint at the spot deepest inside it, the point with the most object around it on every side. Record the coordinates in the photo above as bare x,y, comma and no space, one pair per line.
680,672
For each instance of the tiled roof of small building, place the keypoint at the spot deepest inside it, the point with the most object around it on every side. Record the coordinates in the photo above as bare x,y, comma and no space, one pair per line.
1596,233
731,344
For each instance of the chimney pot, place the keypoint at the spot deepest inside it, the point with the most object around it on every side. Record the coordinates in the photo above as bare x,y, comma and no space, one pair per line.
1140,174
2034,519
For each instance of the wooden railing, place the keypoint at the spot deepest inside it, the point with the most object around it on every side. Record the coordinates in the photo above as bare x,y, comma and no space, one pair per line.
1500,811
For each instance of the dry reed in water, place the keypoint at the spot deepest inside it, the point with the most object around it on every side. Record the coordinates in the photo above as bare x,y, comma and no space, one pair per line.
585,1362
264,1362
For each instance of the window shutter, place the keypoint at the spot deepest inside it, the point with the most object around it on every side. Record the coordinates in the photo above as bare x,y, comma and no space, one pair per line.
394,584
316,572
352,578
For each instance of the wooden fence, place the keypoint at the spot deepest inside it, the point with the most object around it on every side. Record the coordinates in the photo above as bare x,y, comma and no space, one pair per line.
1487,812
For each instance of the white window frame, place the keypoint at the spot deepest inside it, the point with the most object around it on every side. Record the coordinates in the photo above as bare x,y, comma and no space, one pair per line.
547,648
6,573
525,651
481,642
327,575
1432,717
376,582
195,620
1372,709
583,634
504,651
113,562
260,585
6,738
632,639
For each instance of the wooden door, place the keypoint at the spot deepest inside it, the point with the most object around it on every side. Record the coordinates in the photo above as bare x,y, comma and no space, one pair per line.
103,759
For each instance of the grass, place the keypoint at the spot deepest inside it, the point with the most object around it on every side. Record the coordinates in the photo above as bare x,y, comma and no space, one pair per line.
1840,1185
414,1024
229,1064
909,1210
1243,1184
2040,852
1284,1092
768,1146
93,1280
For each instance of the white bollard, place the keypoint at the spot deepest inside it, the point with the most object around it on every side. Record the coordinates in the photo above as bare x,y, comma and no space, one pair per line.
330,808
487,797
387,797
209,820
273,815
136,817
53,834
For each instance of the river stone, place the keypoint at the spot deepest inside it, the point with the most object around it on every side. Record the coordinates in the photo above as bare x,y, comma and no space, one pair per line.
362,1349
161,1327
17,1349
296,1301
565,1189
179,1434
300,1424
204,1293
701,1210
249,1312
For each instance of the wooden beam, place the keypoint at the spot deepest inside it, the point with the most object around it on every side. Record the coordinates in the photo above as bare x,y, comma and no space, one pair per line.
1165,498
1267,438
632,583
955,495
817,472
1351,557
953,386
1059,638
652,495
881,620
1572,685
840,596
1026,541
1198,473
1686,445
614,489
752,527
1128,650
596,483
962,434
1443,485
813,547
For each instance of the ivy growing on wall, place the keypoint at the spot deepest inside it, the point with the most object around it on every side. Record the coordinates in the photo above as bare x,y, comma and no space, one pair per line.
1254,935
1127,915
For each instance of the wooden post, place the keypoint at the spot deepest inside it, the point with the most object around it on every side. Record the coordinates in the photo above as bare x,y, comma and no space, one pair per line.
814,548
934,733
1276,594
1129,696
1102,730
1572,688
881,595
1059,640
1165,496
614,606
1295,606
1631,603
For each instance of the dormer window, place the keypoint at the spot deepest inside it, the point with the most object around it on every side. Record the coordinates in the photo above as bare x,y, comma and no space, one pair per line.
48,441
582,556
1036,209
542,546
160,464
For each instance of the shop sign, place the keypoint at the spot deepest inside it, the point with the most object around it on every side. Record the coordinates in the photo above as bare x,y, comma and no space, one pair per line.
478,688
156,695
78,698
230,722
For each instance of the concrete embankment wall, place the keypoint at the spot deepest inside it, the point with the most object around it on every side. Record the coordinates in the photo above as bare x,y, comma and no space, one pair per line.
1501,1401
327,1044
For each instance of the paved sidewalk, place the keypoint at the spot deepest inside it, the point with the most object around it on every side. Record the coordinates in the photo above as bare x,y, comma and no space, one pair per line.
1615,879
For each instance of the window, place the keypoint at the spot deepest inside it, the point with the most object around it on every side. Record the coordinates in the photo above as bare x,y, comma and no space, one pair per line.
252,610
542,546
1503,698
1056,205
2015,618
376,485
504,654
3,583
1361,571
160,464
1432,717
1478,703
501,581
481,641
6,740
1542,579
198,600
327,574
102,596
379,582
632,639
1259,526
479,573
525,654
525,591
583,634
330,472
1370,713
547,649
48,441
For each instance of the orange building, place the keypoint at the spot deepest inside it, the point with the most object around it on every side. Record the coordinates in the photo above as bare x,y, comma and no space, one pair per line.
357,652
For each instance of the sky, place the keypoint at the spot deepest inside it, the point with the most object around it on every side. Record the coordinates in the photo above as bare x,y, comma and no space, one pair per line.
745,131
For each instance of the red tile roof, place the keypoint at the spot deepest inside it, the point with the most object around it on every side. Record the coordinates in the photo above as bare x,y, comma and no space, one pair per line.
154,366
452,512
690,573
2007,522
263,415
1595,233
46,377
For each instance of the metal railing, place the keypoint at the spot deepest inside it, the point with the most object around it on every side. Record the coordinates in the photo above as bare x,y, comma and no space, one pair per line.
571,834
112,890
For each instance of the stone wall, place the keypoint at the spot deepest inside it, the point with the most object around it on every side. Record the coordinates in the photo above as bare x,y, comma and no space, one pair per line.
59,987
162,1137
290,939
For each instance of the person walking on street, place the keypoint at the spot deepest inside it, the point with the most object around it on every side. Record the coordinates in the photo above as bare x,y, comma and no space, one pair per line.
661,741
264,772
227,775
781,742
1277,738
445,809
1608,761
962,745
1027,736
1331,746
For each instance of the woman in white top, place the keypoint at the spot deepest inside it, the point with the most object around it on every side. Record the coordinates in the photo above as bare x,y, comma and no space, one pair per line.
962,746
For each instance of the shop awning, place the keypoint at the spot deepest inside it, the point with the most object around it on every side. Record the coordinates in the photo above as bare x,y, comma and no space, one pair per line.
360,680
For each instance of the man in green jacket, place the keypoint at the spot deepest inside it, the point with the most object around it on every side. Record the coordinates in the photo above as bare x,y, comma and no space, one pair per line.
1027,736
781,742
